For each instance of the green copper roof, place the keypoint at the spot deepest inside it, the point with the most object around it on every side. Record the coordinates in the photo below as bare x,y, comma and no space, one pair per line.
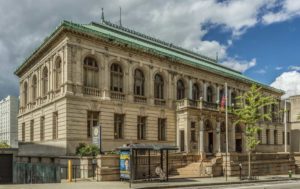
118,34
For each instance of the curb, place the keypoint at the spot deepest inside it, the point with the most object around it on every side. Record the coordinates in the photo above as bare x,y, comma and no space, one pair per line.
215,184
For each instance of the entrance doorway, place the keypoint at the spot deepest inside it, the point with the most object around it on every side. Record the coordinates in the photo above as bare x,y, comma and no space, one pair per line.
6,167
238,145
181,140
238,138
210,142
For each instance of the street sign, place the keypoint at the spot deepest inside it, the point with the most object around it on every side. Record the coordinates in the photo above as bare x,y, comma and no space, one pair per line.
97,136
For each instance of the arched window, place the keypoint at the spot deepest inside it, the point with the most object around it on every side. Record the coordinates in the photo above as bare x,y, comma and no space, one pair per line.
45,81
223,127
221,94
34,88
158,87
207,125
233,98
238,128
139,81
57,73
90,72
209,94
180,89
116,76
25,93
195,92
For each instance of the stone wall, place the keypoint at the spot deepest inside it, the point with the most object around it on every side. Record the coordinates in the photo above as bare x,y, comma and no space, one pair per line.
261,164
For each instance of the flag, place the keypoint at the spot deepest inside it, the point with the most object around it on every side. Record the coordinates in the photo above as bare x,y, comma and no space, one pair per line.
222,103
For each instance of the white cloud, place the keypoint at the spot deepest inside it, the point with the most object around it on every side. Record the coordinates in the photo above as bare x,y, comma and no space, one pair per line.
289,82
278,68
296,68
261,71
239,65
211,48
289,9
179,22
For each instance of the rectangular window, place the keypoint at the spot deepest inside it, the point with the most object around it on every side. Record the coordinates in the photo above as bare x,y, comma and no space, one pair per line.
193,131
141,128
23,132
259,136
161,129
283,137
268,136
275,137
42,128
288,138
118,126
92,120
55,126
31,130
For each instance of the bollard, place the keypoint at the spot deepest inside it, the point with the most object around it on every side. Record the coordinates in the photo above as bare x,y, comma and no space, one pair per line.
69,170
290,174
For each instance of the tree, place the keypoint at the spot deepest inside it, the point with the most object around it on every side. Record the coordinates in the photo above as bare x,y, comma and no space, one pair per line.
248,113
3,144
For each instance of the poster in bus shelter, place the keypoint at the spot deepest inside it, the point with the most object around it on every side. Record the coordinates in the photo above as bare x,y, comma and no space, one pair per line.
124,164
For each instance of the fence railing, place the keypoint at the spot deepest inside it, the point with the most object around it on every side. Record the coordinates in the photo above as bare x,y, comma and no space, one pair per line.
26,173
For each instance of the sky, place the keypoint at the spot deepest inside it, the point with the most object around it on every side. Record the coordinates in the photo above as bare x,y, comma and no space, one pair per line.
259,38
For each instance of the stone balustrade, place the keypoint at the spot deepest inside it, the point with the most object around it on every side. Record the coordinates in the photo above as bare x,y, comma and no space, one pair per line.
140,99
117,95
91,91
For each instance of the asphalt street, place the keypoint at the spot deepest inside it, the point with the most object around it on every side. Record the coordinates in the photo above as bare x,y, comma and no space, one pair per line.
275,185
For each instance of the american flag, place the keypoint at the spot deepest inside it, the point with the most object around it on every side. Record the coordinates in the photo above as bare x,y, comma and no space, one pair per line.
222,103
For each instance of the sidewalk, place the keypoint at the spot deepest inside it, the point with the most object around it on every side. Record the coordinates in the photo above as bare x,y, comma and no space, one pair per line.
178,183
210,181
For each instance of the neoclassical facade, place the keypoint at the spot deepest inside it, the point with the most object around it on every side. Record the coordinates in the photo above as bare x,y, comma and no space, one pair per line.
139,89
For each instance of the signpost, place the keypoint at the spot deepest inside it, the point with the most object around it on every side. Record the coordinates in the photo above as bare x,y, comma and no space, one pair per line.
97,137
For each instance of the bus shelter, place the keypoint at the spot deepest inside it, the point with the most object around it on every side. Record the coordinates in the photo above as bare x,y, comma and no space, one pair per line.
145,161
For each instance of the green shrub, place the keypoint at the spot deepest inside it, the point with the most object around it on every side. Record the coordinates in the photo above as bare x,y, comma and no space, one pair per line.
87,150
4,145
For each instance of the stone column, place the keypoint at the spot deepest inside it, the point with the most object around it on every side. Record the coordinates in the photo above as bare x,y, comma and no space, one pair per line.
190,95
177,135
201,137
151,79
229,96
106,78
187,136
218,95
232,134
219,136
130,82
169,89
204,91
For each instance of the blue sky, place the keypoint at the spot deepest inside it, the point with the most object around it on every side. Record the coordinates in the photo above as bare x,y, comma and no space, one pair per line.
256,37
275,47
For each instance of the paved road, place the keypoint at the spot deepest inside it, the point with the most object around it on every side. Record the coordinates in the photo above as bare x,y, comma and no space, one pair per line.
276,185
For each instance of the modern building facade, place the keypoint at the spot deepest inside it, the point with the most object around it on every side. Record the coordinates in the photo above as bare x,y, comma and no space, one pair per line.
9,108
139,89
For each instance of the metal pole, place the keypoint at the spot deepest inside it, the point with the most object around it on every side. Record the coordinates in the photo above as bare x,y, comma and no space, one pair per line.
285,127
131,164
226,124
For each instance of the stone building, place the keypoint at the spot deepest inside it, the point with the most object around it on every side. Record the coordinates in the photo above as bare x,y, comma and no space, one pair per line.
294,103
139,89
9,107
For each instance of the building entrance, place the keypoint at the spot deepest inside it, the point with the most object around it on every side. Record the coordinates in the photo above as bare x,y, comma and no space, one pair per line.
210,142
182,140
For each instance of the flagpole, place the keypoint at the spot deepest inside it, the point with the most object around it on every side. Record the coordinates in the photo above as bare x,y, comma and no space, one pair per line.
226,125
